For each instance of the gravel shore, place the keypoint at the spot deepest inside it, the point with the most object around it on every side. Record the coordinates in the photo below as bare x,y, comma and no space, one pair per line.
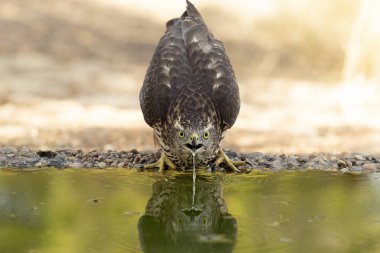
23,158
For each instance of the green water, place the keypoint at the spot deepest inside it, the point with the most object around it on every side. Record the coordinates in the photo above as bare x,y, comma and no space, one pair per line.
126,211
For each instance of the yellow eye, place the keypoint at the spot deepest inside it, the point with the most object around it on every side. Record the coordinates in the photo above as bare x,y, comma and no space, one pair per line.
206,135
181,134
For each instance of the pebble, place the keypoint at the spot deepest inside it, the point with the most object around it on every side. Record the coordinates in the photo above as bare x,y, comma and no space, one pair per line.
292,165
74,165
303,158
360,157
357,169
371,166
134,151
276,164
122,164
261,161
88,165
101,165
341,163
48,154
42,163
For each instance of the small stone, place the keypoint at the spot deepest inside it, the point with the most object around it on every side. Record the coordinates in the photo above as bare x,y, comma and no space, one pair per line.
88,165
230,153
102,157
370,166
357,169
292,162
242,157
3,159
261,161
47,154
137,159
101,165
303,158
71,159
74,165
134,151
345,170
42,163
359,163
247,170
122,164
321,161
359,157
276,164
92,153
56,162
352,161
341,164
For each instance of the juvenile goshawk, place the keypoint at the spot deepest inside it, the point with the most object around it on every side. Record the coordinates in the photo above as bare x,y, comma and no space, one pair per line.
190,96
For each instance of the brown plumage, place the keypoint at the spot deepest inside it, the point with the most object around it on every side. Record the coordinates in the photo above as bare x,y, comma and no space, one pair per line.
190,96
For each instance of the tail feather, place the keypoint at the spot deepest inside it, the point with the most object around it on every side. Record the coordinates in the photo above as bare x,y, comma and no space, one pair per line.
191,11
191,28
194,29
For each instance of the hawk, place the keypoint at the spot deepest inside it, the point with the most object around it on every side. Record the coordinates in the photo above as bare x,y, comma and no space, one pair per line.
190,96
177,219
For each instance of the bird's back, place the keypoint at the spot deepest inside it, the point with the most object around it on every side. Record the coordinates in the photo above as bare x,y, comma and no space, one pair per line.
188,60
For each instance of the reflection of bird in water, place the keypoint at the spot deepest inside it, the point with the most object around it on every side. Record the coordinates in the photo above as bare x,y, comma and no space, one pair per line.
190,96
173,222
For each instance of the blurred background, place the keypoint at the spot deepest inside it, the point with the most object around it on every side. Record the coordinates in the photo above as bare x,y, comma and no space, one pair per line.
308,71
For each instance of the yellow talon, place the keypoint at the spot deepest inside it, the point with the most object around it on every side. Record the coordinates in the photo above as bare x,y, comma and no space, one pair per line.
222,157
164,160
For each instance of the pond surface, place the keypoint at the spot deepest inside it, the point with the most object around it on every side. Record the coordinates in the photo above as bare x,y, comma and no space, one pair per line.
126,211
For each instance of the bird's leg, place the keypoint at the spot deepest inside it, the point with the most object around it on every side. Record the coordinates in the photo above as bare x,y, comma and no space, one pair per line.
222,157
164,160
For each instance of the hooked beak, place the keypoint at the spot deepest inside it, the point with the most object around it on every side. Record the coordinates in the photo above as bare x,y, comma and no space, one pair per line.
194,146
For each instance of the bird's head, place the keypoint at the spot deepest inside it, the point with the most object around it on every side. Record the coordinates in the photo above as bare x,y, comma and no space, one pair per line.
196,138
